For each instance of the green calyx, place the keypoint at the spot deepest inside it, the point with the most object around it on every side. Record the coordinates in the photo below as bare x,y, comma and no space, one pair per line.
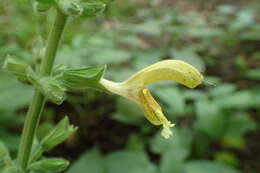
91,9
83,78
72,7
49,165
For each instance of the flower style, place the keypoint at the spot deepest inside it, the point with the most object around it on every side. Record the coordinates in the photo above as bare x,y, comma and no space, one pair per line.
135,88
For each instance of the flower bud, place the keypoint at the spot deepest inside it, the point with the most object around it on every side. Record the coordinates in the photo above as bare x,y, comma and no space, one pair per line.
61,132
91,9
52,89
13,169
70,7
51,165
16,67
41,7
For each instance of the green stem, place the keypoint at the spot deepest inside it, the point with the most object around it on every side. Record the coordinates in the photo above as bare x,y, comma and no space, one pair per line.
38,101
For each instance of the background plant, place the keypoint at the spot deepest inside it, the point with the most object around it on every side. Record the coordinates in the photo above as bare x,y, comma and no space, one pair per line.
217,127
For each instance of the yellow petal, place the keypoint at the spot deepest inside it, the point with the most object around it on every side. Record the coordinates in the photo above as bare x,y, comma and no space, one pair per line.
176,70
153,112
134,87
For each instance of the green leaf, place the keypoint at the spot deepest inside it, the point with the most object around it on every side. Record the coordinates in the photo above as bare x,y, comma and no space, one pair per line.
240,99
12,88
202,142
244,18
240,124
83,78
204,166
226,158
111,56
149,27
50,165
172,161
135,142
181,140
236,142
61,132
128,162
89,162
210,118
226,9
251,34
222,90
167,95
253,74
10,139
190,56
194,95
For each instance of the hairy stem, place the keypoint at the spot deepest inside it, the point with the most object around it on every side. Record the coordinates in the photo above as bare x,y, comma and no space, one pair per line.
38,101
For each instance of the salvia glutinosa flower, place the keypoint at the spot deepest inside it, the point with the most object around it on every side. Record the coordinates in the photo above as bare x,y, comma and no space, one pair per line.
135,88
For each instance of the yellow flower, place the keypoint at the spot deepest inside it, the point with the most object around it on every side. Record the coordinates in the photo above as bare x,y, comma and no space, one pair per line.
135,89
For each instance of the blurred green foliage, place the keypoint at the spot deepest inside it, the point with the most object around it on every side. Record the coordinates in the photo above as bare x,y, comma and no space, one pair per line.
215,125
